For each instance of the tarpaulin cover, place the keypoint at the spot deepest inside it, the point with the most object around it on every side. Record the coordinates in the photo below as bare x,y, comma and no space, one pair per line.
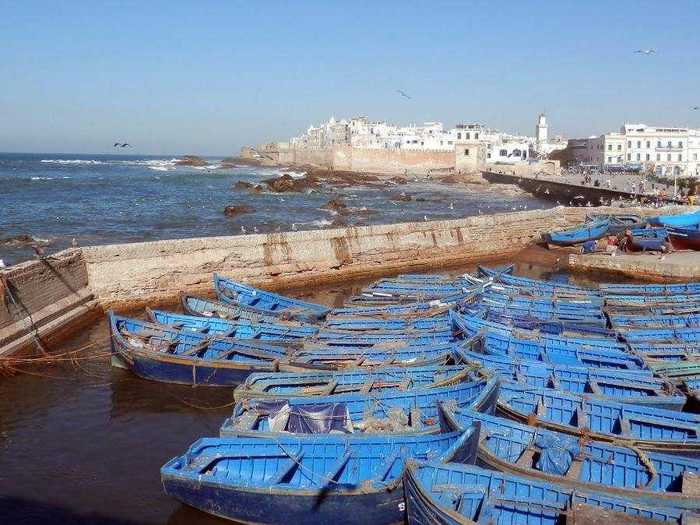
556,453
320,418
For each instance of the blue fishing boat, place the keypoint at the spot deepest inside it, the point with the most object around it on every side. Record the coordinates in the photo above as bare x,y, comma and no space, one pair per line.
165,354
636,425
459,494
649,478
677,221
425,288
620,322
651,301
364,324
650,289
619,222
277,332
687,238
327,383
588,231
648,239
193,305
391,411
505,276
625,386
306,335
680,334
345,480
408,310
232,292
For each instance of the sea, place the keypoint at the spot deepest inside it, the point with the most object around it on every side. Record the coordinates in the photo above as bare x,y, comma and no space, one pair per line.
62,199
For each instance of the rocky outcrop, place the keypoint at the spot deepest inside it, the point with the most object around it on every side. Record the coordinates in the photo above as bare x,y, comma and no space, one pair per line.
243,185
191,160
232,211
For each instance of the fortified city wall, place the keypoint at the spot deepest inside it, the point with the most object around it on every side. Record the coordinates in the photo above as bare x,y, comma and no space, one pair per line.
57,292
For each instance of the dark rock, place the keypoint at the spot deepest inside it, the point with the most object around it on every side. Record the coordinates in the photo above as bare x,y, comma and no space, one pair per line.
191,160
335,205
23,239
401,197
287,183
399,180
232,211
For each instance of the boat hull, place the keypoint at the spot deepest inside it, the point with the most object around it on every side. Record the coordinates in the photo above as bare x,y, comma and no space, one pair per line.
268,506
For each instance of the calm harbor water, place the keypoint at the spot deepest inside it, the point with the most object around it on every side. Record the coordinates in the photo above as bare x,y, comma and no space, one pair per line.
83,443
100,199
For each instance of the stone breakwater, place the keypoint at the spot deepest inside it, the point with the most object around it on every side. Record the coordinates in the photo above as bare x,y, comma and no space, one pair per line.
45,297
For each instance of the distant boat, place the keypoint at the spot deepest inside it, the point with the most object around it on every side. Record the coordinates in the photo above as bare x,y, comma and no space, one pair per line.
677,221
337,479
589,231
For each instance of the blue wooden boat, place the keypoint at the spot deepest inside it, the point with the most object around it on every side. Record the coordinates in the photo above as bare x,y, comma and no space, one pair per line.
588,231
619,222
379,298
193,305
306,335
636,425
232,292
414,288
650,289
650,301
678,334
461,494
391,411
408,310
345,480
326,383
687,238
278,332
650,478
652,239
364,324
165,354
505,276
654,321
678,221
636,387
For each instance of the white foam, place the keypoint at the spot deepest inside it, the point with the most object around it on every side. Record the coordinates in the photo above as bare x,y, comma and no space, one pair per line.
71,161
158,168
42,178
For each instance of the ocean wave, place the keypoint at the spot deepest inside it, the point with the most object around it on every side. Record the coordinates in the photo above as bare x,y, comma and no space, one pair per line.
42,178
158,168
72,161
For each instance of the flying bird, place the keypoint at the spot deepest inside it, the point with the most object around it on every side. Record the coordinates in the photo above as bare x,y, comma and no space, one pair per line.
126,145
696,108
402,93
645,51
117,145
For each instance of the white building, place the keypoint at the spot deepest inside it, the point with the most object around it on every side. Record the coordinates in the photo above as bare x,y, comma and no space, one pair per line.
668,151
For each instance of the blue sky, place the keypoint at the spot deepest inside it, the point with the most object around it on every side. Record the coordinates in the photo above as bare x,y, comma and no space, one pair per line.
206,77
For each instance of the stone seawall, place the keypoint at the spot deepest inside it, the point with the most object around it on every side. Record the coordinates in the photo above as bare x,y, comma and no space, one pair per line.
57,292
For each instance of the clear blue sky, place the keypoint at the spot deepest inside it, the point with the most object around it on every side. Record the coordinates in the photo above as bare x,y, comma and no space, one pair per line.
206,77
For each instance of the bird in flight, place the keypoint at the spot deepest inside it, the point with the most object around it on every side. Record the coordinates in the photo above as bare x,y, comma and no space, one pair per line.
120,145
126,145
402,93
645,51
696,108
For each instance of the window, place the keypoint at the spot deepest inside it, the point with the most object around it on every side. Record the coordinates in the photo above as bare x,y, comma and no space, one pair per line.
503,153
658,156
449,143
680,143
648,157
695,156
459,135
648,144
668,157
658,143
467,136
476,136
639,157
609,160
609,147
466,152
629,143
629,156
670,144
680,157
619,160
639,143
489,155
619,147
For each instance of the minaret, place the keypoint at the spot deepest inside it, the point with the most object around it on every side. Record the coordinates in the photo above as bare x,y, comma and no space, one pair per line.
541,129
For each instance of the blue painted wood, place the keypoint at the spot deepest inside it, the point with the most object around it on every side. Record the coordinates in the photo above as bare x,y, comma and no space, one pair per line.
636,387
646,427
682,220
345,480
588,231
411,411
650,289
685,238
648,238
192,305
454,494
232,292
648,477
325,383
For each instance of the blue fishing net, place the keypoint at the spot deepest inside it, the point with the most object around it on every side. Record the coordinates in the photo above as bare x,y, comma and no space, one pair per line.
556,453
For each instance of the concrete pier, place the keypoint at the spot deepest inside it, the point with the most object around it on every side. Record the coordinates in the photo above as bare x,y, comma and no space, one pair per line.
677,266
46,297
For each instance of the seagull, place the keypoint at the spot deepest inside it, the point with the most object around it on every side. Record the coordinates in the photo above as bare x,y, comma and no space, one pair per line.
243,229
126,145
74,243
402,93
645,51
117,145
425,218
2,264
696,108
294,226
452,205
255,229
